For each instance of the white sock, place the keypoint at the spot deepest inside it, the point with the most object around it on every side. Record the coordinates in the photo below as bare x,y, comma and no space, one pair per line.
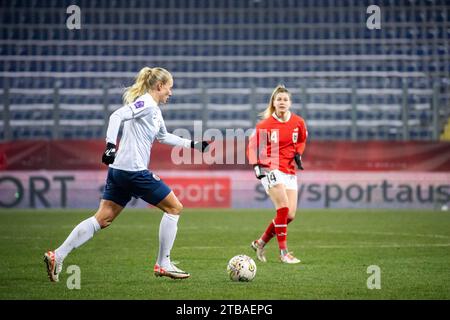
261,242
167,233
80,234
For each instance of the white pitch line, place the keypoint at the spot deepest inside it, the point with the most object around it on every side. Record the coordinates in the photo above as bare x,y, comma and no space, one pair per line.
381,233
413,245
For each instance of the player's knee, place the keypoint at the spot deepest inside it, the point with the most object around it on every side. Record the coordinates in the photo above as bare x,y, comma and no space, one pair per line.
175,209
292,212
104,220
283,204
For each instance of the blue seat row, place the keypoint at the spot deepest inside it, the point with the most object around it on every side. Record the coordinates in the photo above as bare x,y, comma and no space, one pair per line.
234,32
224,49
423,66
97,132
369,134
218,82
222,12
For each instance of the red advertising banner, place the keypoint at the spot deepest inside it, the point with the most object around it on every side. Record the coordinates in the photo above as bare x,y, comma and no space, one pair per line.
421,156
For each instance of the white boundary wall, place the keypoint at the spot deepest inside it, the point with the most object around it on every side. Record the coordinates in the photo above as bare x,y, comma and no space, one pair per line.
234,189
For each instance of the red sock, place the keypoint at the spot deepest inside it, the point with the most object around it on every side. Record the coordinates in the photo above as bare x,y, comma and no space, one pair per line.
270,231
280,223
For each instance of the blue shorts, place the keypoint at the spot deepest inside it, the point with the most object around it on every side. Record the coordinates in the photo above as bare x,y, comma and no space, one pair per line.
122,185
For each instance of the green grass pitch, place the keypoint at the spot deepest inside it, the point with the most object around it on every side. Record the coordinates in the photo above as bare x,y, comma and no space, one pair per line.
411,248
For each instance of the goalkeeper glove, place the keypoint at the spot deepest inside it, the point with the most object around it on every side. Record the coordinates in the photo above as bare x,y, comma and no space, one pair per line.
260,172
109,154
200,145
298,161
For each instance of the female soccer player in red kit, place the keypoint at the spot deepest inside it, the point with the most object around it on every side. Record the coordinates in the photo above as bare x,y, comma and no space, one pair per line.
275,150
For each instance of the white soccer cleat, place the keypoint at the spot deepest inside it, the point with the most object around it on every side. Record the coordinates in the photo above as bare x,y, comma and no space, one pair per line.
53,268
289,258
172,272
260,251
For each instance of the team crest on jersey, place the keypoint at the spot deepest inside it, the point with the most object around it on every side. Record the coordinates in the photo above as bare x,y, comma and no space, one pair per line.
139,104
295,135
156,177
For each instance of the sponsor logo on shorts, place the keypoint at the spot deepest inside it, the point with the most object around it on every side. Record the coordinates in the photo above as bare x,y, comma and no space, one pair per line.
156,177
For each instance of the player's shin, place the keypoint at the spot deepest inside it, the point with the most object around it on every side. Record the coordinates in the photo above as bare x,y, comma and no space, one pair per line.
270,232
280,226
167,234
83,232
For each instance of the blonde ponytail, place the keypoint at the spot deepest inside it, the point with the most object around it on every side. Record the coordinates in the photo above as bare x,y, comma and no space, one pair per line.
271,108
146,80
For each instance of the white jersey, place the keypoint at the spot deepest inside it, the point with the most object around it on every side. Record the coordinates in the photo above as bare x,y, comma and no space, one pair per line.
143,123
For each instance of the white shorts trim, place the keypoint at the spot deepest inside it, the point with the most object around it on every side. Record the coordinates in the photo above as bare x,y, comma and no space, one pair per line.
275,177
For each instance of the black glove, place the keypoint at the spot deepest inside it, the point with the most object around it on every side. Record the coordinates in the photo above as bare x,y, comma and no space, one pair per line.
109,154
260,172
200,145
298,161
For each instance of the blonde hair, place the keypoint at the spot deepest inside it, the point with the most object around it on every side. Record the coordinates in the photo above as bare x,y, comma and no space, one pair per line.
146,80
270,108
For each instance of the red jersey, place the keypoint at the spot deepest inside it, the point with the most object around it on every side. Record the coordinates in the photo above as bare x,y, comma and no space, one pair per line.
274,143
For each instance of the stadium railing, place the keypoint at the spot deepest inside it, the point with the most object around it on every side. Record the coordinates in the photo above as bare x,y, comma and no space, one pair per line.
331,113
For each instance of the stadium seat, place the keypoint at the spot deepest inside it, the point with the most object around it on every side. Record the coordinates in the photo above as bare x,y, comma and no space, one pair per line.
159,31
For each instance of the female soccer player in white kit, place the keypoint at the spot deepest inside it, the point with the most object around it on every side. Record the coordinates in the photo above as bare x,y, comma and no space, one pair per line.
128,175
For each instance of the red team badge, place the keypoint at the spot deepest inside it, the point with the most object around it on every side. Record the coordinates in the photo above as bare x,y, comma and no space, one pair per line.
295,135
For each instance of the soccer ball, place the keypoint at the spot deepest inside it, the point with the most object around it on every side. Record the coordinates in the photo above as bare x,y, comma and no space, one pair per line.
241,268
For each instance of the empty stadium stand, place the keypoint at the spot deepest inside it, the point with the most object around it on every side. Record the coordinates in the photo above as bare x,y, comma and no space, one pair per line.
348,81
